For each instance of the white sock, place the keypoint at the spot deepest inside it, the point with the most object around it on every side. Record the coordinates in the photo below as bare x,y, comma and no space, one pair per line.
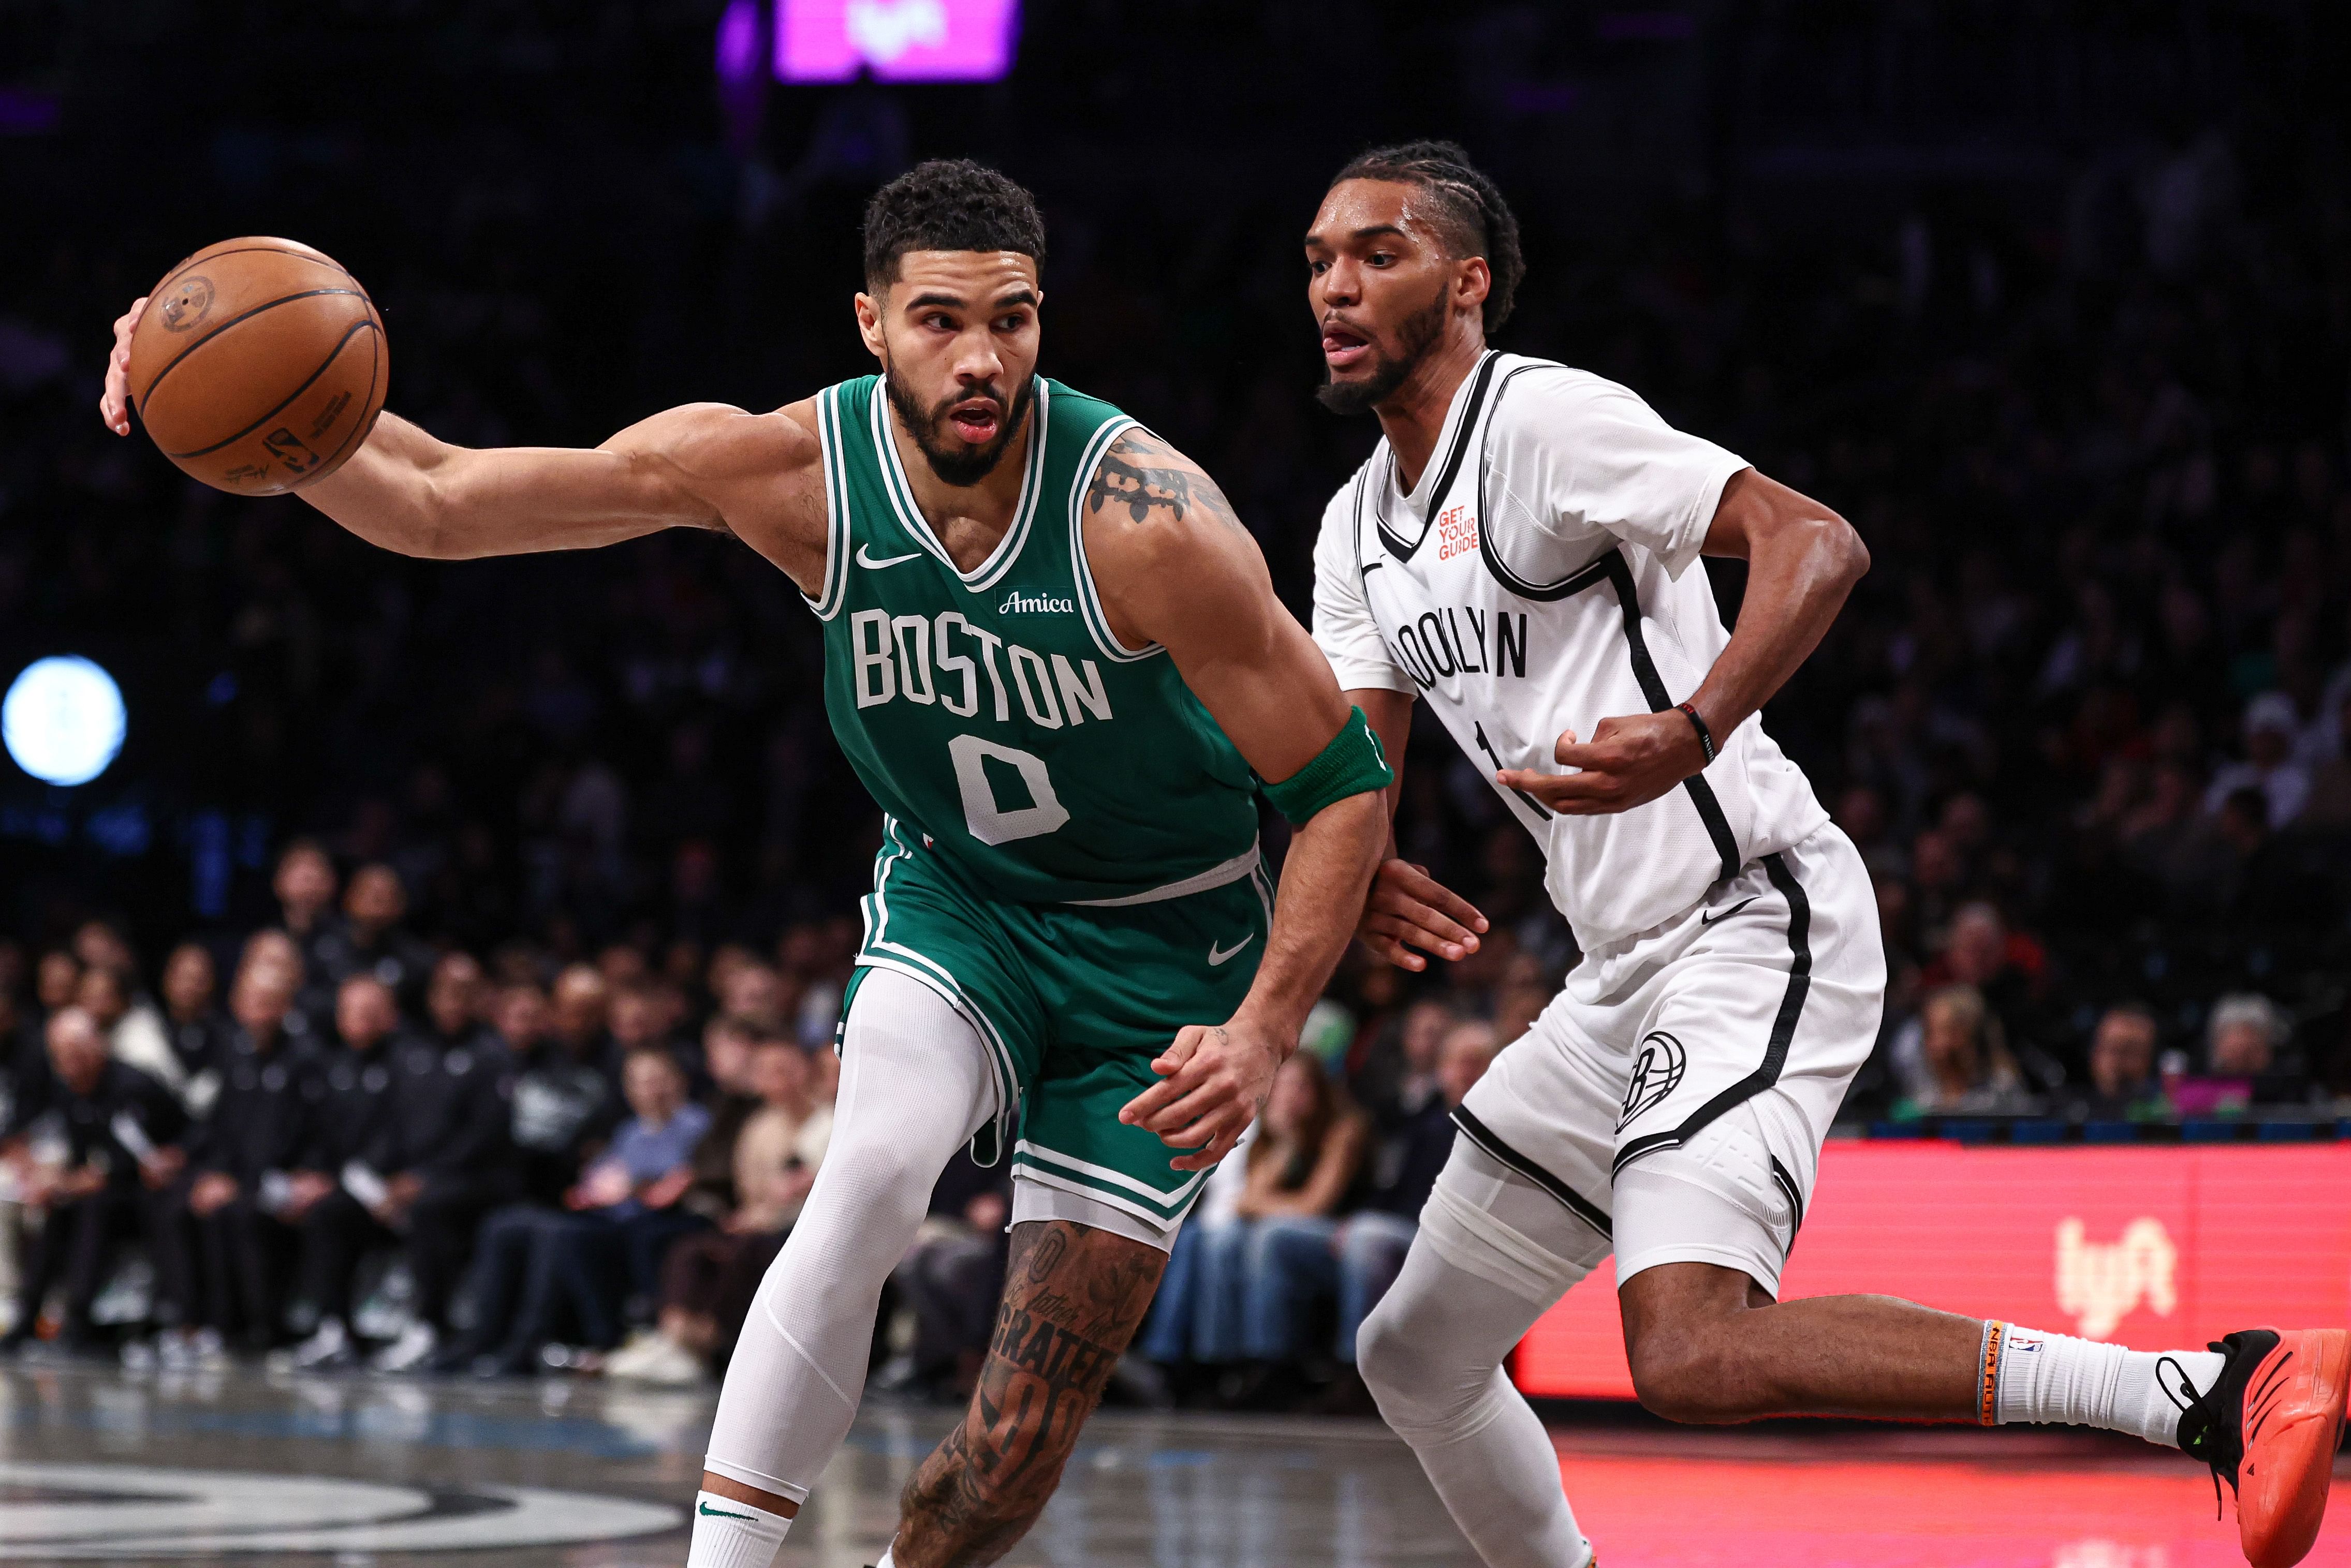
2055,1377
732,1534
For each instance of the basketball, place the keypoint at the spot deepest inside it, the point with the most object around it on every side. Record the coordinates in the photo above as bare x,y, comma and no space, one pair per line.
259,366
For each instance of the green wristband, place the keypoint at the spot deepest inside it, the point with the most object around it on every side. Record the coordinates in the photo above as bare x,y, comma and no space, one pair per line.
1352,764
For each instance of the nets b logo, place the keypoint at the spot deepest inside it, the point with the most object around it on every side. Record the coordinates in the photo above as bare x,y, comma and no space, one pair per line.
1657,1072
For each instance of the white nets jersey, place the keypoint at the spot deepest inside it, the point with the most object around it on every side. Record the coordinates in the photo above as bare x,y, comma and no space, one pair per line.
1539,578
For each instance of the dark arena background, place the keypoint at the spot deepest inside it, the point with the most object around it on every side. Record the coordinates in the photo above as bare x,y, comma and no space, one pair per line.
2053,300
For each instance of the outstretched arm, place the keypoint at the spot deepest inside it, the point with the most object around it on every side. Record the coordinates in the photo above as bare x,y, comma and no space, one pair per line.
1174,566
1802,559
703,466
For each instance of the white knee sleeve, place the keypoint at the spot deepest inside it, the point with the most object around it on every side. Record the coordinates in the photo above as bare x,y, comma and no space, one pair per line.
916,1084
1486,1219
1432,1351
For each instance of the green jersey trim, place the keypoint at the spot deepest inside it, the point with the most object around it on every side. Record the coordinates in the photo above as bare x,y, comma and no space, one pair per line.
1089,601
900,491
879,952
836,506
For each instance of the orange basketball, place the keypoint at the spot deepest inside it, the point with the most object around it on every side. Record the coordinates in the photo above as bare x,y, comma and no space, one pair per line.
259,366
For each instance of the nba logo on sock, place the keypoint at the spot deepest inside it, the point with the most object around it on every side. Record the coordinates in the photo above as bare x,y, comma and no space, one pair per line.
1657,1073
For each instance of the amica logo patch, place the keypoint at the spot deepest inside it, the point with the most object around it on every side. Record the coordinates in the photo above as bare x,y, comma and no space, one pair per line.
1019,603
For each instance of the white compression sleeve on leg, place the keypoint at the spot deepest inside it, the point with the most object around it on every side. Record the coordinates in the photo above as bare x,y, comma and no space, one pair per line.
1432,1354
915,1083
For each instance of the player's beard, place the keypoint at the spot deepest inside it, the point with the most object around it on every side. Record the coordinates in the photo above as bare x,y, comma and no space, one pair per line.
958,464
1416,337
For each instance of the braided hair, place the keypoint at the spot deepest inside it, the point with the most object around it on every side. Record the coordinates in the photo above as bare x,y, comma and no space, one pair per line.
1471,214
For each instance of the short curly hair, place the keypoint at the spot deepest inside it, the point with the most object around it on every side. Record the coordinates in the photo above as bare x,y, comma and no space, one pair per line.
1470,211
948,204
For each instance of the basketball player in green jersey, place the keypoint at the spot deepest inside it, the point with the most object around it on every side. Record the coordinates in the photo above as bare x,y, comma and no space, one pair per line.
1054,656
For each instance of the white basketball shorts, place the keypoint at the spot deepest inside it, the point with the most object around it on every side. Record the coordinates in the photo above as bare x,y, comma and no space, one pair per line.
1674,1096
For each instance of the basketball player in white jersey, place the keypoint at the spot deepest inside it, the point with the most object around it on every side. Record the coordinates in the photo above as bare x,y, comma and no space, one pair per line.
1520,551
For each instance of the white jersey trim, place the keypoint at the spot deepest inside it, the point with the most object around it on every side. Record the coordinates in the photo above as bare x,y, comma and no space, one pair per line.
835,582
1088,599
901,492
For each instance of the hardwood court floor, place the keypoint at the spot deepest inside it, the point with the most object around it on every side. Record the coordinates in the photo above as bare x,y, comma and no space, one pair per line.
373,1473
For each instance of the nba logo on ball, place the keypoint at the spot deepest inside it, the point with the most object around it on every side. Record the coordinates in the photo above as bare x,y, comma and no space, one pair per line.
1657,1072
190,301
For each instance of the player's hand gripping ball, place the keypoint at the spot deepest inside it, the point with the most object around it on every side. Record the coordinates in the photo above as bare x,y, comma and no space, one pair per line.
258,366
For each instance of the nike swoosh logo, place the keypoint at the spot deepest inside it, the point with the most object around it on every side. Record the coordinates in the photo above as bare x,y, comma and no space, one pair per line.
721,1513
866,560
1218,955
1710,918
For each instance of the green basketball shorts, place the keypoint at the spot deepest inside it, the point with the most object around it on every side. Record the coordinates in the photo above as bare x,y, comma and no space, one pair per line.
1073,1002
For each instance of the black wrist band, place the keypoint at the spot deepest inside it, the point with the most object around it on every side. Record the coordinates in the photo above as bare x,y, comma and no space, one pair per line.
1705,735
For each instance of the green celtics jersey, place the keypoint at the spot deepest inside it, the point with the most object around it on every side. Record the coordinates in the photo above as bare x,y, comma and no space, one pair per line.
992,711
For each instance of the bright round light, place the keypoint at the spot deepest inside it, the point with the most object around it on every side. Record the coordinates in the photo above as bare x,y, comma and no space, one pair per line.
63,719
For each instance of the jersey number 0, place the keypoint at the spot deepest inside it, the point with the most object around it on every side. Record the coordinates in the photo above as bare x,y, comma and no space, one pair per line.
989,822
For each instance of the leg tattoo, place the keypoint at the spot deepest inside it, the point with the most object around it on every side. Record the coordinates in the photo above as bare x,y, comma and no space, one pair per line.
1073,1296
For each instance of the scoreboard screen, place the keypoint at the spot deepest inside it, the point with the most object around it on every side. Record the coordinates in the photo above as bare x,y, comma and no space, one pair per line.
897,40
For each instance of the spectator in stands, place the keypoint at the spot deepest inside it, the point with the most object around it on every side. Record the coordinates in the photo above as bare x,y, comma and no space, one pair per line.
355,1115
727,1043
562,1106
443,1139
134,1032
1298,1167
1953,1062
627,1204
1399,1077
121,1145
453,1000
371,940
56,976
200,1033
562,1110
2244,1039
2272,728
2007,968
2122,1083
305,885
230,1243
1294,1260
583,1006
749,989
707,1279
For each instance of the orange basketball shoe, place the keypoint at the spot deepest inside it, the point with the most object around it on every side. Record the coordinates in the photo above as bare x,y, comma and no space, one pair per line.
2269,1426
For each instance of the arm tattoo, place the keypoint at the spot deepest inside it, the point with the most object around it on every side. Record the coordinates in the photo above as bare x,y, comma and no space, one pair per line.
1135,474
1073,1296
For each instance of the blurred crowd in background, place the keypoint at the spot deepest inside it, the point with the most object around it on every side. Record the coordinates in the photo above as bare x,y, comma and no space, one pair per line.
2056,309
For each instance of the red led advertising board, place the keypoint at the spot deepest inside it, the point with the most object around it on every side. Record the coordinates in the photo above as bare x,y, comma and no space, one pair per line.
2151,1248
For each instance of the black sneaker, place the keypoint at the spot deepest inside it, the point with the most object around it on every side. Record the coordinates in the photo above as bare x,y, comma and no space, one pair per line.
2269,1425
